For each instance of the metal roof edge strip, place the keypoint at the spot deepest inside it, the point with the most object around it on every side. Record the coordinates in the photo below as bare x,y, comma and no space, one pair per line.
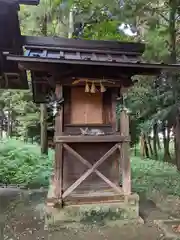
83,50
96,63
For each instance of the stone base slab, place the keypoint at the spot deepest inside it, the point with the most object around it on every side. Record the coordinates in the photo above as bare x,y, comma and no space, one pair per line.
106,213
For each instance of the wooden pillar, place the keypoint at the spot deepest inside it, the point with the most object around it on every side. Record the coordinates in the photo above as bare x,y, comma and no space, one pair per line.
116,162
44,140
125,158
58,175
114,116
43,122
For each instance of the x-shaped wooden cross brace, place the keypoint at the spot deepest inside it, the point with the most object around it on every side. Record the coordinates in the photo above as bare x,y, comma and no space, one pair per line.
92,168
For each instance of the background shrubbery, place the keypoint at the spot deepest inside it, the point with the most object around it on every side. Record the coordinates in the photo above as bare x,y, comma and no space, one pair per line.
22,163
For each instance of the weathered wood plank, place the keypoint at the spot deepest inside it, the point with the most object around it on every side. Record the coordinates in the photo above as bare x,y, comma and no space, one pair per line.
89,165
82,138
89,171
124,152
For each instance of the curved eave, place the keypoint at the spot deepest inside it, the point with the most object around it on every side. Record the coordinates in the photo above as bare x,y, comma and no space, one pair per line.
30,63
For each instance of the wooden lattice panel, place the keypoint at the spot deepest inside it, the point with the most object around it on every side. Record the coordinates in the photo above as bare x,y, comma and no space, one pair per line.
92,152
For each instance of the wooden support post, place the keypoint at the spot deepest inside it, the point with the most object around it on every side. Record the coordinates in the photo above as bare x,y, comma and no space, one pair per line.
125,158
44,140
114,117
59,148
43,122
115,164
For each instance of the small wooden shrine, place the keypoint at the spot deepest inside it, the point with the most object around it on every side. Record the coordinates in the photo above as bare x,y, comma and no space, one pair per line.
83,80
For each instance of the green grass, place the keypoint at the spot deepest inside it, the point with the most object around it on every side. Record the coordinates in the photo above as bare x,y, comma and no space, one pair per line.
23,164
150,174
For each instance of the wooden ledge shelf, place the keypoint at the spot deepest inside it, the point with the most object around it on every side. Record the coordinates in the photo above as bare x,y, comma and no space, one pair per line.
89,139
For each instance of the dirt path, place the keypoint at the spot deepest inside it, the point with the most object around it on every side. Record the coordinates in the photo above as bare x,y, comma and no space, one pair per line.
23,222
126,232
27,227
26,224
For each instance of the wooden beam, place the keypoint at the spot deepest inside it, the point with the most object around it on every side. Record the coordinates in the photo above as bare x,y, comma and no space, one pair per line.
124,152
113,111
89,165
89,171
59,148
82,139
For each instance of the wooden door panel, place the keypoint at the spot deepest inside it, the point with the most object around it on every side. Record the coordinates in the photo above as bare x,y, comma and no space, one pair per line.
86,108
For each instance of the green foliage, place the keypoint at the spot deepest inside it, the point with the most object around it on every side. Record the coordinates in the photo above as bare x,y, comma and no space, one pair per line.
157,44
150,174
105,30
23,112
22,163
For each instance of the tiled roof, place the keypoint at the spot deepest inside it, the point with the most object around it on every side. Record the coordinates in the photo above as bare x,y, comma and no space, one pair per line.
127,48
90,57
88,52
86,58
80,55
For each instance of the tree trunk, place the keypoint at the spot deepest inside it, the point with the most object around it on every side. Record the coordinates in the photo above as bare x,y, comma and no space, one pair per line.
158,143
155,137
177,142
145,144
9,129
43,108
26,137
142,151
1,128
172,29
1,122
173,6
166,139
44,140
146,148
135,150
44,26
150,146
